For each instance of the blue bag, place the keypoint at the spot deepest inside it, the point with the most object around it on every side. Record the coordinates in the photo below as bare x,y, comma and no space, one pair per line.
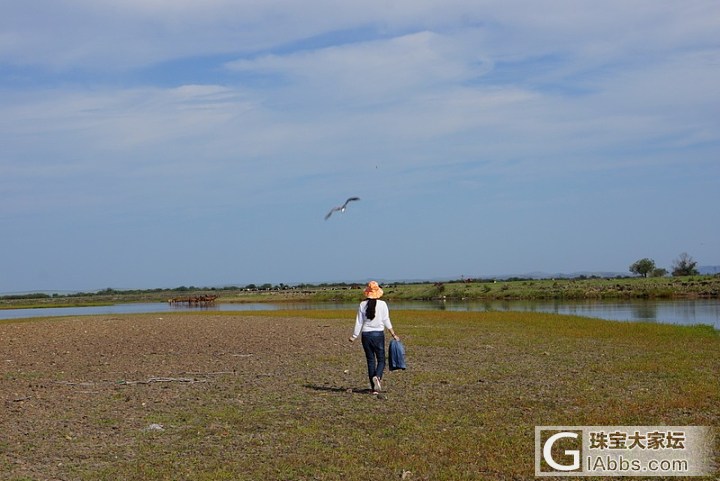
397,355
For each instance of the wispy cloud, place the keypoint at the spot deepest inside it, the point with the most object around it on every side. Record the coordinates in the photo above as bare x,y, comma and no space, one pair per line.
152,107
377,71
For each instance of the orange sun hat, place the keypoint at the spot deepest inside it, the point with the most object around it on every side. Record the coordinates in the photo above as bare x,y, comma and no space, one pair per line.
373,291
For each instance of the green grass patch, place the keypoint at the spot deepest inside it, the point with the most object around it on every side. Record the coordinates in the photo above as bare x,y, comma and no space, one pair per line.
476,386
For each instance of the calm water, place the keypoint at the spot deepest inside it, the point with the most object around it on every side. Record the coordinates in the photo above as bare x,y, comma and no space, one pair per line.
686,312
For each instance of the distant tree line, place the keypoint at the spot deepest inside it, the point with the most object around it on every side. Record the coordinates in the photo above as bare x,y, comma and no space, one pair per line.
684,265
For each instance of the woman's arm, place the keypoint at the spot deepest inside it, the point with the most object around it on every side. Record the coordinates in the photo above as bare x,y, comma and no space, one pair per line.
387,323
358,323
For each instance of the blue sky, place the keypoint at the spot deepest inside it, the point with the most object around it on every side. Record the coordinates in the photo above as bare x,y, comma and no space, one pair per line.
160,143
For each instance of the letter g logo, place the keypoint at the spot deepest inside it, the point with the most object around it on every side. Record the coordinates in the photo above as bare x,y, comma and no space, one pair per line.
547,452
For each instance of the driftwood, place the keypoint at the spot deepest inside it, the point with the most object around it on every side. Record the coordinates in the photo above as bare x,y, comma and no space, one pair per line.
189,380
197,377
216,373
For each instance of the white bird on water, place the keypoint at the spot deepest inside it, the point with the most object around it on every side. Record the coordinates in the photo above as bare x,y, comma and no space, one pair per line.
341,208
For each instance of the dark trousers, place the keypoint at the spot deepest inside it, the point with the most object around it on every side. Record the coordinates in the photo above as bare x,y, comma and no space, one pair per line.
373,344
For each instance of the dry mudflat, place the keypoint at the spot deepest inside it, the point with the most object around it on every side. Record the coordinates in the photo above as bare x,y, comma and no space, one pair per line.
280,396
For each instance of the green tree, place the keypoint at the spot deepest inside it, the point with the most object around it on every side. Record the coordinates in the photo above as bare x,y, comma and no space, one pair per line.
643,267
659,272
684,265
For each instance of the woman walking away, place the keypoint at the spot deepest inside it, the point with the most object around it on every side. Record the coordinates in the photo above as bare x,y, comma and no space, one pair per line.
373,317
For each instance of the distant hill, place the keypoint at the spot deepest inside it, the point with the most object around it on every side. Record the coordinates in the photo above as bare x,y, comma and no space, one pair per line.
704,270
709,270
527,275
39,291
572,275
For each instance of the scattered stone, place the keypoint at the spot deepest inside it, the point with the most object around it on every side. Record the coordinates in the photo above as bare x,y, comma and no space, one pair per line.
154,427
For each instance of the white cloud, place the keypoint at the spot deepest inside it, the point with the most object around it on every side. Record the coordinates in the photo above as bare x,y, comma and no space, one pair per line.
433,84
105,34
377,71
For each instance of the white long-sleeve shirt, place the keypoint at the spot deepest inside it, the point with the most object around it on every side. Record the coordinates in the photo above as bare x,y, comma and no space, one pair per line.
380,323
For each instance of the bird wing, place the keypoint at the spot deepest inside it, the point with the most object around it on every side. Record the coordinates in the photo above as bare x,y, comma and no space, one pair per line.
350,199
327,216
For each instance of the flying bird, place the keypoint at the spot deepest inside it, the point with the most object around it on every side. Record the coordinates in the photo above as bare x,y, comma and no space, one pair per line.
341,208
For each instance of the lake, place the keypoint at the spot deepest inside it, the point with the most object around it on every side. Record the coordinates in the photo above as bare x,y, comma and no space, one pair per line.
684,312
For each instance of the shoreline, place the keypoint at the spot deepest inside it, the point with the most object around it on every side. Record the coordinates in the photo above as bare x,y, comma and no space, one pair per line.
695,287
